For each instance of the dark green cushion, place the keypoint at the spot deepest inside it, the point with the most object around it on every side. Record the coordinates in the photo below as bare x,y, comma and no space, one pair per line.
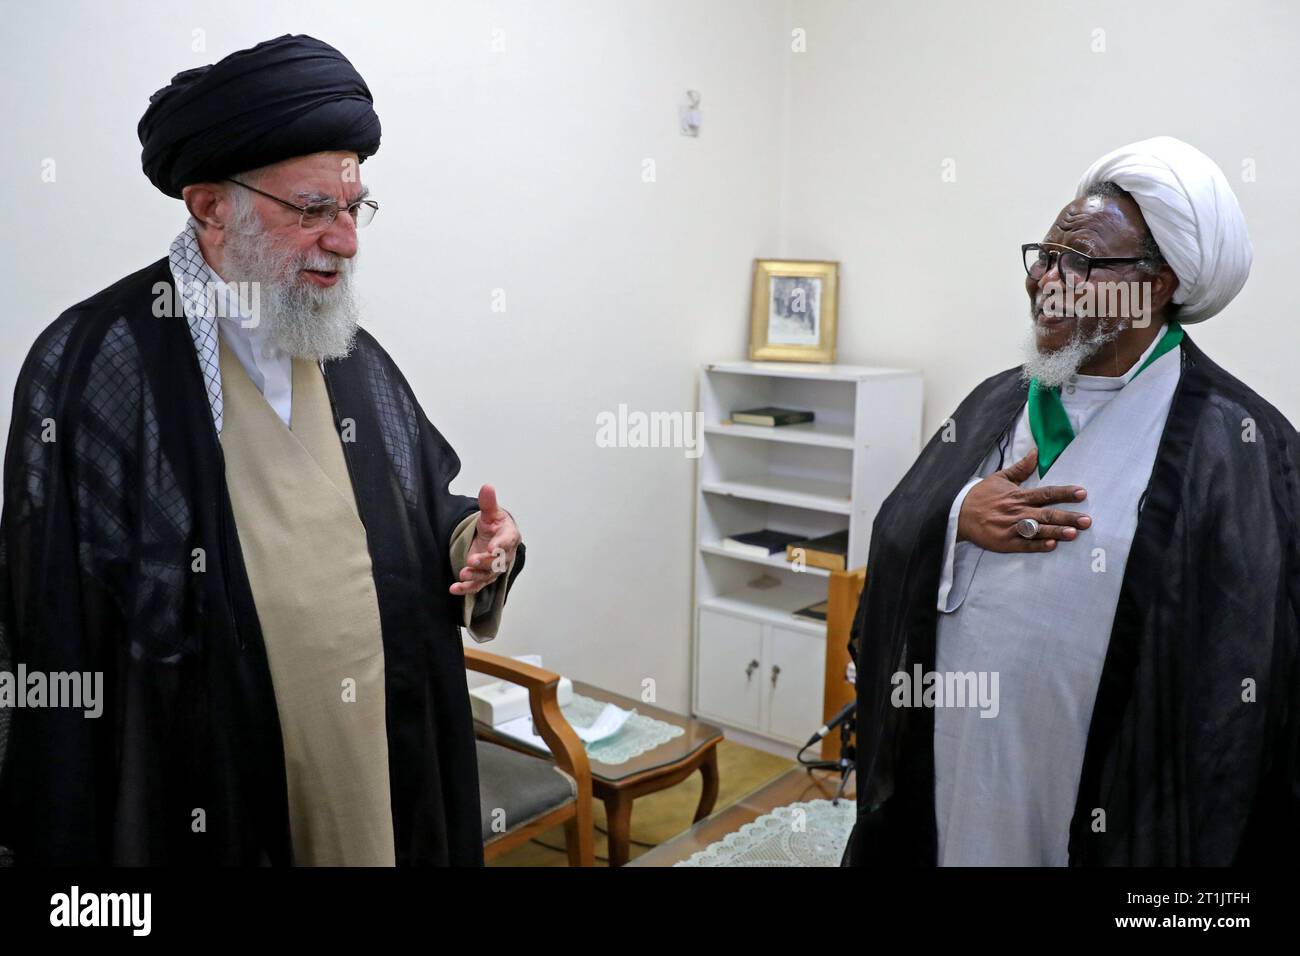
524,787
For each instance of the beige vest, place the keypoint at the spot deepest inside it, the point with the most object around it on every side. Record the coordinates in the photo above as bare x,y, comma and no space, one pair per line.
309,567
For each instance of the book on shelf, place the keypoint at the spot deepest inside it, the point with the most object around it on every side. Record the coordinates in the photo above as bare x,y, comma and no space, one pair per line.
760,544
814,612
830,551
771,416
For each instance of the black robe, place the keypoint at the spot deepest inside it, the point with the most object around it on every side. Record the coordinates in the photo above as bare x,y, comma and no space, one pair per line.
99,533
1186,773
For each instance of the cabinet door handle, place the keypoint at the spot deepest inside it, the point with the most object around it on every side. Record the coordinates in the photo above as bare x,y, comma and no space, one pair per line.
749,671
776,672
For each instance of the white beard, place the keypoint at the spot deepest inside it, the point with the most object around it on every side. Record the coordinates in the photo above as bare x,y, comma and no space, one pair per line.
306,321
1054,369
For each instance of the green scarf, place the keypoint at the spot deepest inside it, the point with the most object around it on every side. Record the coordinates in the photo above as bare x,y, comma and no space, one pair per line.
1048,422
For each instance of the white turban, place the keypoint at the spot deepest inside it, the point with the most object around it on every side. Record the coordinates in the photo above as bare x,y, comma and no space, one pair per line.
1192,213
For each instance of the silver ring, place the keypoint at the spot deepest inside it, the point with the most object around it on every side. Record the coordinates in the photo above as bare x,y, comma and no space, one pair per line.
1027,528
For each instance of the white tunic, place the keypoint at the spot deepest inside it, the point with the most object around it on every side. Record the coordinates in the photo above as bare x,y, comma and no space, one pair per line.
1006,785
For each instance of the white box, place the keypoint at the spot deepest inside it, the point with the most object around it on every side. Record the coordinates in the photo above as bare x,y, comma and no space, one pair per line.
500,701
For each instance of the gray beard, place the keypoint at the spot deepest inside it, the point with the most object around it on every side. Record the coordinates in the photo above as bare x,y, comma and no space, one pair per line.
1054,369
306,321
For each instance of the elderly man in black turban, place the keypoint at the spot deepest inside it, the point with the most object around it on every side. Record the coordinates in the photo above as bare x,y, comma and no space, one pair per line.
223,496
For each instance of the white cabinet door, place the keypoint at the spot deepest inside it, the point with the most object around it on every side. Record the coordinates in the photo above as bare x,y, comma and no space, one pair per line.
794,675
730,676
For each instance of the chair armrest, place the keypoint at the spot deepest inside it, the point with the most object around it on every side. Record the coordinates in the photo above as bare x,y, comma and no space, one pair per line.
543,687
509,669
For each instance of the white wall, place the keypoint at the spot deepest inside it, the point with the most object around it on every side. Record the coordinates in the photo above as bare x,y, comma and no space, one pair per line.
1013,94
522,170
519,170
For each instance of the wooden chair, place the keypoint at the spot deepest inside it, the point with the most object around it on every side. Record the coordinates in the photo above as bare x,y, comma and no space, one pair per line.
842,596
527,788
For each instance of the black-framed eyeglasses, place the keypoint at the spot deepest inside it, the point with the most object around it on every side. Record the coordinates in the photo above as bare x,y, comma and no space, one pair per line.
321,215
1075,266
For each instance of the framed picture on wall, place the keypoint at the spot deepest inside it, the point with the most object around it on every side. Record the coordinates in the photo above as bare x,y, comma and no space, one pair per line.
793,310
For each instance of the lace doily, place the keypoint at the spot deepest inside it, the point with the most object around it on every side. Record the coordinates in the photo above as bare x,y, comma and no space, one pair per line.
813,833
639,734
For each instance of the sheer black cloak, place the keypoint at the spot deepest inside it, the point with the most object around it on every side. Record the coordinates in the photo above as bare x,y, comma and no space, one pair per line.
99,537
1186,773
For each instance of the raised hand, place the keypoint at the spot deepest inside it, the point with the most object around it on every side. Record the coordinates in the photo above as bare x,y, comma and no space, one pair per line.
495,541
993,507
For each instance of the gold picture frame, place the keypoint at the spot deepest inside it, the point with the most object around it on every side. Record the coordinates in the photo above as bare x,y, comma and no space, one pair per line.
793,310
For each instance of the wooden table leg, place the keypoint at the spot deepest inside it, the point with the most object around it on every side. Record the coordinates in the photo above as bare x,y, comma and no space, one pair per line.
618,813
709,792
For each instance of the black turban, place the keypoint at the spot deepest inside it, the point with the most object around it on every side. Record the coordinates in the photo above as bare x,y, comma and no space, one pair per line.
286,97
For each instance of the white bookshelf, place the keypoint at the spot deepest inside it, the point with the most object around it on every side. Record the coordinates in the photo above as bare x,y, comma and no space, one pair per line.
758,668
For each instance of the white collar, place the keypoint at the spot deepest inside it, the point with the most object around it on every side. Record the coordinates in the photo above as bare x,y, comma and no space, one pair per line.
1103,383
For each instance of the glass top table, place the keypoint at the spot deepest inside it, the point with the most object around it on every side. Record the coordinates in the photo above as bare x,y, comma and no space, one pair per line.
658,768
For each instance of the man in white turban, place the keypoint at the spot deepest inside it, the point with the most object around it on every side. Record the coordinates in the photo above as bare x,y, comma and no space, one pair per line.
1193,216
1105,543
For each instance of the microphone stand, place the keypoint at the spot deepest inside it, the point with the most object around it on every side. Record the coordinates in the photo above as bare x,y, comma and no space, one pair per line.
847,761
848,755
